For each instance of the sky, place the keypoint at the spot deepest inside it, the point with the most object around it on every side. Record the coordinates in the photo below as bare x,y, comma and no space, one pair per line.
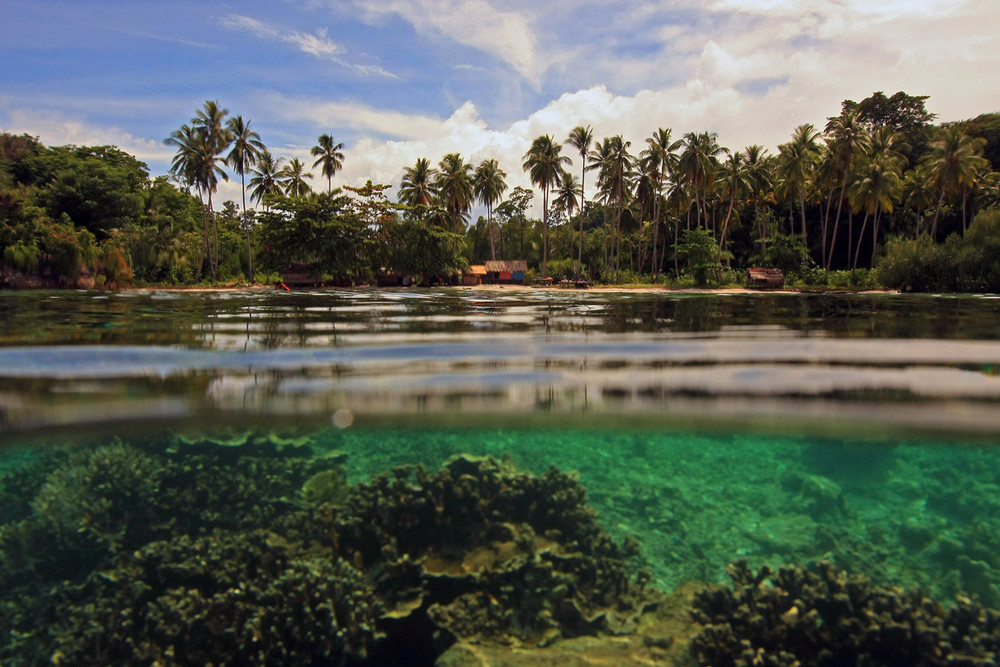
396,80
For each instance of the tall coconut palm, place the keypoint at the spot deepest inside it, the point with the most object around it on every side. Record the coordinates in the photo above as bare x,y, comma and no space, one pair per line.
581,138
952,163
615,177
846,137
454,186
488,184
796,161
212,119
186,166
696,165
758,167
293,179
199,162
918,195
266,179
877,183
243,155
417,187
566,194
734,182
330,157
661,152
544,166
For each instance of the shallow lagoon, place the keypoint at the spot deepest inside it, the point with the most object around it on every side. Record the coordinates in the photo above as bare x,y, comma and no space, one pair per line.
860,429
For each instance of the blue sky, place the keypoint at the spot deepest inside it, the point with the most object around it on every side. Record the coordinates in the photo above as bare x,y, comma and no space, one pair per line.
400,79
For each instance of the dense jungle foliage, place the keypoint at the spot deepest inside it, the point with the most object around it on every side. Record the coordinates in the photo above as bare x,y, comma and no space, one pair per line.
879,187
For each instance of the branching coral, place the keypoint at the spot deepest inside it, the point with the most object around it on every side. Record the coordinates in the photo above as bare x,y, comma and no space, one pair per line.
799,617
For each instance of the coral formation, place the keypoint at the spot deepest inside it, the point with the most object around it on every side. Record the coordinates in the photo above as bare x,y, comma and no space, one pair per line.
824,617
247,598
201,553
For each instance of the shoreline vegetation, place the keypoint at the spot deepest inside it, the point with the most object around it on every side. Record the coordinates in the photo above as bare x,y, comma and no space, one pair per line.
879,198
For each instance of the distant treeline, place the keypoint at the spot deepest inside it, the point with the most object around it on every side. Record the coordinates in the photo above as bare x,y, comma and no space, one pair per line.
878,186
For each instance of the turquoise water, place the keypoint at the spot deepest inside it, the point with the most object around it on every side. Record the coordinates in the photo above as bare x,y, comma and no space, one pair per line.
784,429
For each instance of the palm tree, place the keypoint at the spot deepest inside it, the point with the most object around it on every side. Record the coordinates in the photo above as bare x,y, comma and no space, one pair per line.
330,156
489,184
581,138
217,137
758,167
417,187
198,162
734,180
566,195
544,166
846,137
294,180
797,160
661,152
186,167
267,177
246,149
877,183
952,164
615,178
454,186
697,166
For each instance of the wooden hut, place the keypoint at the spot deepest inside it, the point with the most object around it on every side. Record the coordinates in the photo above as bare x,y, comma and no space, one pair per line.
475,275
765,278
506,272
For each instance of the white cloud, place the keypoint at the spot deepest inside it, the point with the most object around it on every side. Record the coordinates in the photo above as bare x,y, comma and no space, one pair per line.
55,129
505,34
318,45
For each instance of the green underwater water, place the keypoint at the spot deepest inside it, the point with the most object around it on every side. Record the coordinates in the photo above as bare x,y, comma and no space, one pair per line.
913,513
908,513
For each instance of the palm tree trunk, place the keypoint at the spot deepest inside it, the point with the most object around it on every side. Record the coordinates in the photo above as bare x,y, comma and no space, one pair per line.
583,181
802,208
850,233
545,231
246,227
937,213
204,236
836,225
725,224
861,235
489,230
215,232
878,216
965,198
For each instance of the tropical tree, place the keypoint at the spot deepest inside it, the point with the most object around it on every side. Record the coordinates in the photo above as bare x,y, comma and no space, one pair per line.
846,136
696,166
418,185
266,180
454,186
661,154
797,160
952,164
581,138
489,183
566,194
759,179
734,182
198,163
293,179
245,151
330,157
615,163
878,182
544,166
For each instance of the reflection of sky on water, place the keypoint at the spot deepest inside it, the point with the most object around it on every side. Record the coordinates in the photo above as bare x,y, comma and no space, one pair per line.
507,353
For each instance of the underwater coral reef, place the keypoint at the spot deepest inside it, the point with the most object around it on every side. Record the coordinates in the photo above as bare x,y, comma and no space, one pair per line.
251,548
